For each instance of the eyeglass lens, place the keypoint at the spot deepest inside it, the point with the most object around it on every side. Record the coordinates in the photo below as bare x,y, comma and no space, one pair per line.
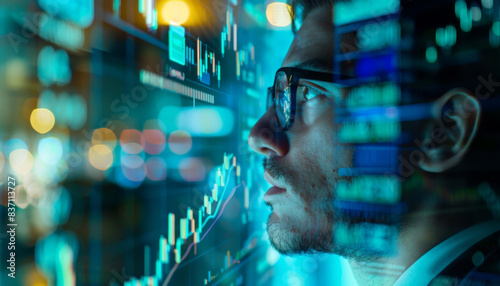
282,99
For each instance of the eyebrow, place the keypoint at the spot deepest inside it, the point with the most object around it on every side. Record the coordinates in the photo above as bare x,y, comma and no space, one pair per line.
317,64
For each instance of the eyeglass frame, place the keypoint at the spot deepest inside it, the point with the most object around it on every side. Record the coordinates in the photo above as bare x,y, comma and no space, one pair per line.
294,75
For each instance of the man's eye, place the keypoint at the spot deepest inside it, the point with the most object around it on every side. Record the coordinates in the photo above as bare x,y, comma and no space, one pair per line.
311,92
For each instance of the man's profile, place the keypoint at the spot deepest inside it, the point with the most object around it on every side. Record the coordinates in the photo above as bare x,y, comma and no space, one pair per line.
299,137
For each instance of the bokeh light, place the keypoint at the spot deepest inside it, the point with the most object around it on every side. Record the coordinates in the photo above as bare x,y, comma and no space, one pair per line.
204,121
156,169
53,66
132,141
168,118
47,99
16,73
137,173
175,12
34,187
104,136
71,110
180,142
13,144
42,120
21,161
34,277
122,180
22,197
50,150
192,169
278,14
49,174
132,161
48,252
54,206
431,54
100,157
155,141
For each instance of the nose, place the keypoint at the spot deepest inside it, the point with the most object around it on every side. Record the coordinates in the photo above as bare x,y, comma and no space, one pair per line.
267,138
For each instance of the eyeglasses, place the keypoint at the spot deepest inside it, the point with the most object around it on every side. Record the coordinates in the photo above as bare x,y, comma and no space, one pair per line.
283,94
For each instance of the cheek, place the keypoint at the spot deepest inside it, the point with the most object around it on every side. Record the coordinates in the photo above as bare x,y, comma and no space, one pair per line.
317,157
313,162
317,111
317,130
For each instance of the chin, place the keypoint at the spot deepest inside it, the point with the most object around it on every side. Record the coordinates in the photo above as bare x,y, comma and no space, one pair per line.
289,236
281,236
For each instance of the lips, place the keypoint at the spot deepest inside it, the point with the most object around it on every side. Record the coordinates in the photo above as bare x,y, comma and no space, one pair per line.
278,187
271,180
274,191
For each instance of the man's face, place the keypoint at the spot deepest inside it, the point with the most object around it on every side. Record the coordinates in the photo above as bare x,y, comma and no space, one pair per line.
302,163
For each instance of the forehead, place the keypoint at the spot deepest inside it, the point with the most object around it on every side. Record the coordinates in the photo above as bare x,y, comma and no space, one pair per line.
312,47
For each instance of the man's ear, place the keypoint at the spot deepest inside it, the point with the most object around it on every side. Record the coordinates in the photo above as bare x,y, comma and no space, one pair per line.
454,124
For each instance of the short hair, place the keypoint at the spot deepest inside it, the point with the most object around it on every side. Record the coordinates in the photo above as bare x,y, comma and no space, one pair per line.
300,9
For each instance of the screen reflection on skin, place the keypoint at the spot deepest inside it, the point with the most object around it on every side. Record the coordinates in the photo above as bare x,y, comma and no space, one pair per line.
303,160
302,164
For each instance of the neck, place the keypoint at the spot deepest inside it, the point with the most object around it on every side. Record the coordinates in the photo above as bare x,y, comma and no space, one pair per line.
420,232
